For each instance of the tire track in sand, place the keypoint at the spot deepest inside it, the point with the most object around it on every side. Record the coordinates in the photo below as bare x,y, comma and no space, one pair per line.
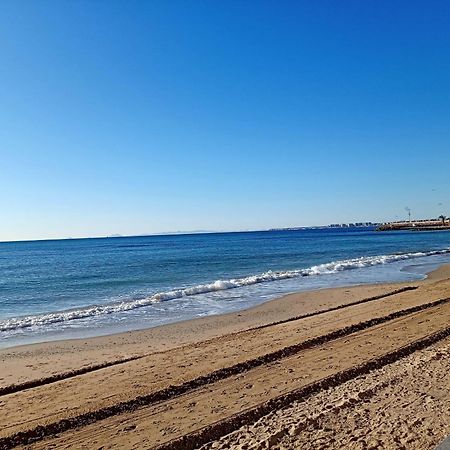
43,431
221,428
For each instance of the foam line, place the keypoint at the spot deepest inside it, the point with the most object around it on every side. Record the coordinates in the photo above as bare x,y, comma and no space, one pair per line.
219,285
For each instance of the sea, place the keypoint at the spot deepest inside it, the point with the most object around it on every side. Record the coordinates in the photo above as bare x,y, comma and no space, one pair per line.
78,288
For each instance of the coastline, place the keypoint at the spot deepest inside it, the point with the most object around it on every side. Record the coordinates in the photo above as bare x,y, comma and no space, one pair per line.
70,353
84,303
144,332
206,371
42,359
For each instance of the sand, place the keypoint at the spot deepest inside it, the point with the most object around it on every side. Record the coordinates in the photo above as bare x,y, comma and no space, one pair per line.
358,367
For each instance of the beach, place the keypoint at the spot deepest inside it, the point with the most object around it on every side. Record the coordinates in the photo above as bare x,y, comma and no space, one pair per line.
354,367
224,226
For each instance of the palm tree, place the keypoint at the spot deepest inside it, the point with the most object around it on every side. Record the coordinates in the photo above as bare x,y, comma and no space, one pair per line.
442,217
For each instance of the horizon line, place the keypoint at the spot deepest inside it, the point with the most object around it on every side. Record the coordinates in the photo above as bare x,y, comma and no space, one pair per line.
187,233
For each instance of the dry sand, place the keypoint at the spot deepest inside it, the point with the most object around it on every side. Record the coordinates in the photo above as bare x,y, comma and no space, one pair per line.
359,367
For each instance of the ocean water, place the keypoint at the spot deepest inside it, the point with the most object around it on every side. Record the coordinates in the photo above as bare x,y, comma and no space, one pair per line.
87,287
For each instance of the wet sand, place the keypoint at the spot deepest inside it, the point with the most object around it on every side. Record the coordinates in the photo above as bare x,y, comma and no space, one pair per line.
333,368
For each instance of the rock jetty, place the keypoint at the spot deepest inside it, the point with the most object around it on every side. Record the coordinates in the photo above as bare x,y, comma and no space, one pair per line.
416,225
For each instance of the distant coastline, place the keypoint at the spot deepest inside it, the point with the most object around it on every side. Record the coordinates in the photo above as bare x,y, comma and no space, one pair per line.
193,232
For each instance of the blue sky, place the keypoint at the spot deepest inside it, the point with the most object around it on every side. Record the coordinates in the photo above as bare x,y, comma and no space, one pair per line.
139,117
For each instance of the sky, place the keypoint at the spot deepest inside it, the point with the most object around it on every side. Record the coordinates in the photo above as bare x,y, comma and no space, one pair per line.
135,117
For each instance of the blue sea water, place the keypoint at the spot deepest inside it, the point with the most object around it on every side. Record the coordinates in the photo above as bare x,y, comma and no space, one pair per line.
87,287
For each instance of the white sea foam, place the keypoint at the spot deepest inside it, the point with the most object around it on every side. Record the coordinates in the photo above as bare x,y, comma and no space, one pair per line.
219,285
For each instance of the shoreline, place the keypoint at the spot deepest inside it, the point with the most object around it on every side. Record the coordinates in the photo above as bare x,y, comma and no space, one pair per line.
70,336
168,307
218,373
242,317
133,344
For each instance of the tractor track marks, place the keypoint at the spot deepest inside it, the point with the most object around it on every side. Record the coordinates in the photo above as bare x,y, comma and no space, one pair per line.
42,431
219,429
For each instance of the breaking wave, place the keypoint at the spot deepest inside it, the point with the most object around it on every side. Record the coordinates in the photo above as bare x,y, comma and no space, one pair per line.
219,285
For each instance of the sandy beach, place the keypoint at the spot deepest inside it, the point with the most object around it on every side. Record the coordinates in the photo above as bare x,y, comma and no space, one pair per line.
225,225
357,367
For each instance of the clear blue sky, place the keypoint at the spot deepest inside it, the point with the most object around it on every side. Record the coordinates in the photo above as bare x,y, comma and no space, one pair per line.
137,117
